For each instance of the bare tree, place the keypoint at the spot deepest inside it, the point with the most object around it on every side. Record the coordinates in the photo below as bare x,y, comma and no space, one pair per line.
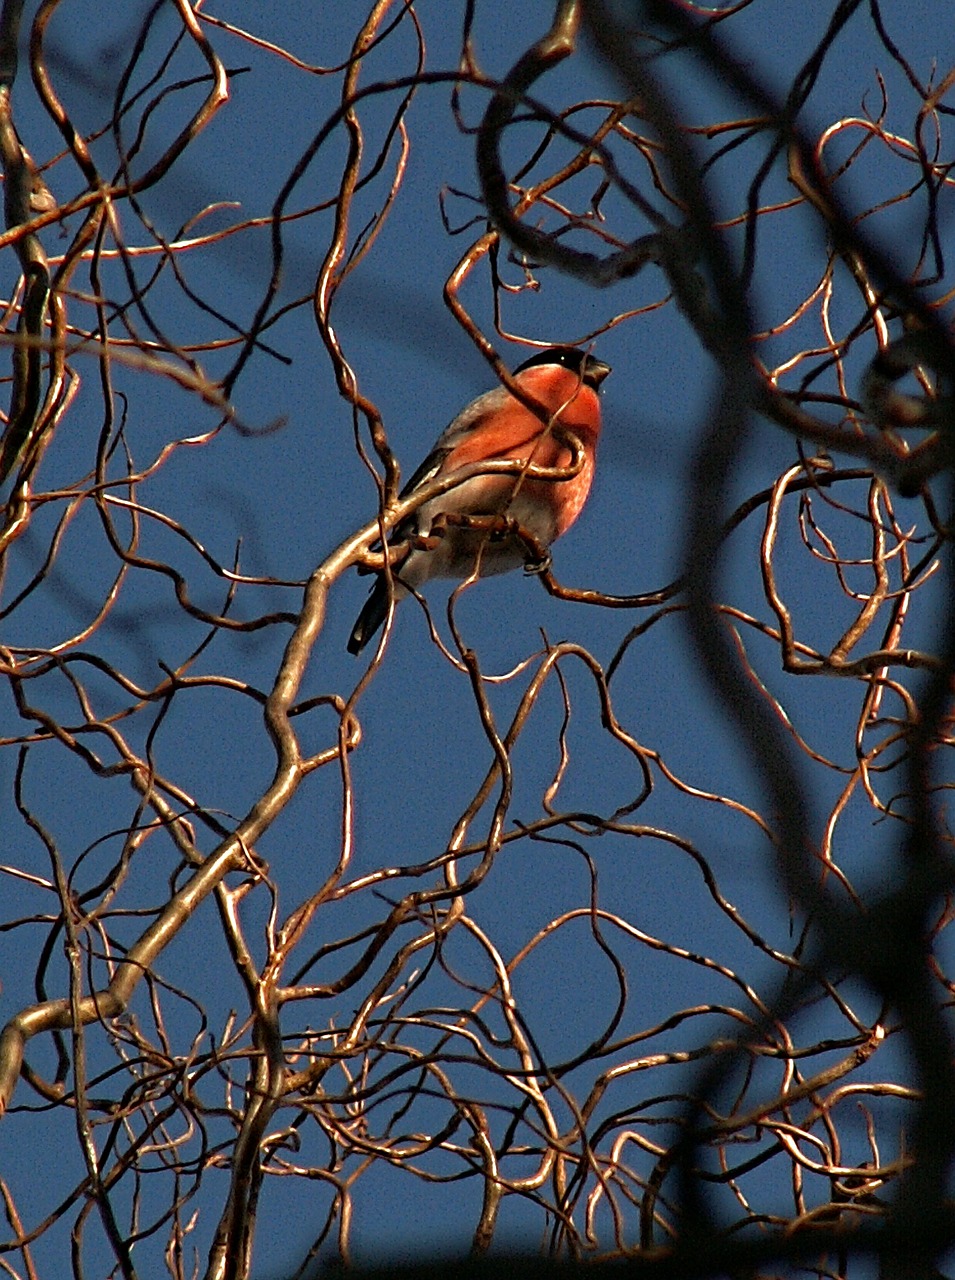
756,1095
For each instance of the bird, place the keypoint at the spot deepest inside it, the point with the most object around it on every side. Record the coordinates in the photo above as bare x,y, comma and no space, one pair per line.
564,381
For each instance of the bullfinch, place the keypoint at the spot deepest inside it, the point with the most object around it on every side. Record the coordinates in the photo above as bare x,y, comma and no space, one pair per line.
565,382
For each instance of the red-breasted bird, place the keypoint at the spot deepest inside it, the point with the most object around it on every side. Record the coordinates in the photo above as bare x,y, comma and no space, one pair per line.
565,382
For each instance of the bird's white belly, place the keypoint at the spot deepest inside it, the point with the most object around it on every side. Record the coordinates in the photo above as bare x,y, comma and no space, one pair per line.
460,551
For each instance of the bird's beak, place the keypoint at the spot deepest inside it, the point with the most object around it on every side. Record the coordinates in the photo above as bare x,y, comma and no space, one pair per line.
597,371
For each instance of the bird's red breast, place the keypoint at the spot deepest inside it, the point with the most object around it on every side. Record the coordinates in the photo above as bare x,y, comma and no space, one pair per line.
511,430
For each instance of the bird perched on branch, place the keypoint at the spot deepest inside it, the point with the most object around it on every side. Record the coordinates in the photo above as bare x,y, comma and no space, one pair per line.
493,523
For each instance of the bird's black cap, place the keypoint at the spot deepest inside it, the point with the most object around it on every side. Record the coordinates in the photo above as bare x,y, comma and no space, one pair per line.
590,370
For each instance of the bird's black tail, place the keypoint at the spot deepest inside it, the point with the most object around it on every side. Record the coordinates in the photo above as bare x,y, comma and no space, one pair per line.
371,617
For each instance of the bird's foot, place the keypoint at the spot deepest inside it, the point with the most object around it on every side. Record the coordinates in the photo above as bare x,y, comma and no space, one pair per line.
431,540
497,526
539,563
